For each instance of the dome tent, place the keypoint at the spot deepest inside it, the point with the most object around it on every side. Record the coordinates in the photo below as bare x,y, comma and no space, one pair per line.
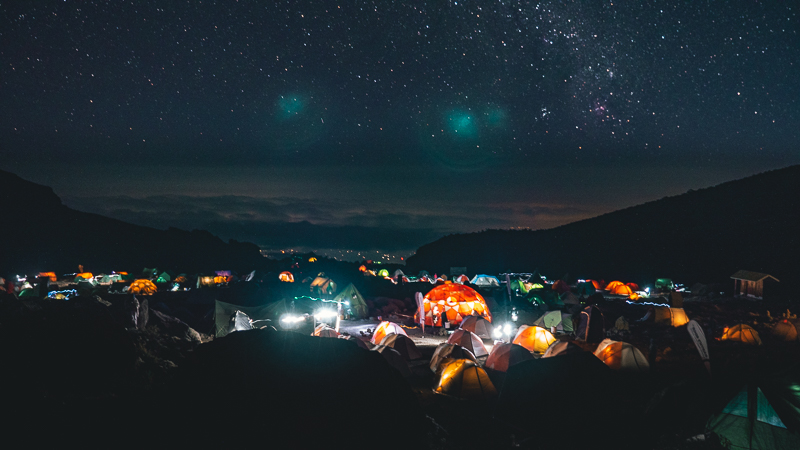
452,351
622,356
535,339
455,301
385,328
469,341
403,344
741,333
463,378
562,348
785,330
357,305
143,287
478,325
505,355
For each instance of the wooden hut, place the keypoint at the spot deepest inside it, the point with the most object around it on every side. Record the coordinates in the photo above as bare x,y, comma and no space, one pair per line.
750,284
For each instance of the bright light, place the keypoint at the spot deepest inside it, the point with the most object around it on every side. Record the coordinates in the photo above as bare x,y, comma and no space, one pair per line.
325,314
292,319
507,328
498,333
514,316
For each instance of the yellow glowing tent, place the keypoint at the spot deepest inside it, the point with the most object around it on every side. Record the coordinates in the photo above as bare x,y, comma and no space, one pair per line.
142,287
455,301
675,317
464,379
742,333
535,339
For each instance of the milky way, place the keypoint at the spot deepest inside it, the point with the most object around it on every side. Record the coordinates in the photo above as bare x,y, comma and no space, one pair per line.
462,86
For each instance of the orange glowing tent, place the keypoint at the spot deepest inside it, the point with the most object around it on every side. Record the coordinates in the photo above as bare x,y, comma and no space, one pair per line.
142,287
535,339
742,333
622,356
469,341
286,277
505,355
613,284
464,379
596,284
621,289
455,301
385,328
84,275
50,275
363,268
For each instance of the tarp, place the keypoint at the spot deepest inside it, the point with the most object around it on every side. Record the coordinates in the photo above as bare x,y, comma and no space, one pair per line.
357,304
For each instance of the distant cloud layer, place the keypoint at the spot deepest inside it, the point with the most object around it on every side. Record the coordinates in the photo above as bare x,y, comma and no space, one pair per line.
284,222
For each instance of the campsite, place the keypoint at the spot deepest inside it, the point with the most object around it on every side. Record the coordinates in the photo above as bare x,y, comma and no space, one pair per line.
181,339
446,364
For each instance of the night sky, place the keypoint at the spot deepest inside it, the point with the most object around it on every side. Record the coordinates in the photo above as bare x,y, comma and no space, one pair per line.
380,126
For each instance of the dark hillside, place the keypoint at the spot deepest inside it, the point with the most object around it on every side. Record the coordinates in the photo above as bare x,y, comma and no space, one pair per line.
39,233
702,235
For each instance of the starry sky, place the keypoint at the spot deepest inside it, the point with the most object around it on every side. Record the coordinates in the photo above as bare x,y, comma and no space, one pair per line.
373,127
